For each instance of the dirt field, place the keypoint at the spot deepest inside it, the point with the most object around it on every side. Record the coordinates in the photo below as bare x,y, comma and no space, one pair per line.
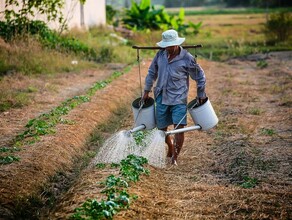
250,147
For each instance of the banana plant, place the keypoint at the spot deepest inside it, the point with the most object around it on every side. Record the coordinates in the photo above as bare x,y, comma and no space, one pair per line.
143,16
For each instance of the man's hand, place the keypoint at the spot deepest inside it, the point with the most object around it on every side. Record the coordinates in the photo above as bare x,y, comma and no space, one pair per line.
202,100
145,96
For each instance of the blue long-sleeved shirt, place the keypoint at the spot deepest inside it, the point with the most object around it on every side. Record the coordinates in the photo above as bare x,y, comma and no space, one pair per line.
172,78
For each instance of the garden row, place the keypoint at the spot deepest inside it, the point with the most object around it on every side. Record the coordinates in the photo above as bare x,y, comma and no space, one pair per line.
45,123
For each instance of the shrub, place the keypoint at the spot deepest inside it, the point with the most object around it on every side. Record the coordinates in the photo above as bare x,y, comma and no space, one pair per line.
279,26
110,14
48,37
106,55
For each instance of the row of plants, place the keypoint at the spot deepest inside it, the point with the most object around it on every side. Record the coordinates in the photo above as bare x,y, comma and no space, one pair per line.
45,123
116,196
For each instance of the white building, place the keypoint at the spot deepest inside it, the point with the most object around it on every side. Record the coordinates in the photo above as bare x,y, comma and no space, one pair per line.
92,13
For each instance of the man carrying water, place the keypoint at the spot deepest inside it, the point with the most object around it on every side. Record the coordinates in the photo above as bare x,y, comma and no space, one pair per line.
170,69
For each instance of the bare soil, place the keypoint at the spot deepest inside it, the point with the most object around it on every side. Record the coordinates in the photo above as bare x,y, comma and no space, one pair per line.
251,142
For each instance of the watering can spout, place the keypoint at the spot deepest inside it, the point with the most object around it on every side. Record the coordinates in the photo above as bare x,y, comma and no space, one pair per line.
181,130
138,128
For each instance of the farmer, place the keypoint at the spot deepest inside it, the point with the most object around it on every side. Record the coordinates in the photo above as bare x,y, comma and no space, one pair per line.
170,69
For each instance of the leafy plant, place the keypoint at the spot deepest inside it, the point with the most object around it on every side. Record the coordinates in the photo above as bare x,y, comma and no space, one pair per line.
114,185
262,64
110,14
9,149
95,210
196,27
139,137
115,165
144,16
100,165
249,182
115,189
269,132
131,167
8,159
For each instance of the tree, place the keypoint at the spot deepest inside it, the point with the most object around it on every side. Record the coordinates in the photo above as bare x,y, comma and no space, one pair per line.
52,9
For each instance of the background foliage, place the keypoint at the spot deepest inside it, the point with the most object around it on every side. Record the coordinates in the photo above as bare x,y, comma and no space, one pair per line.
200,3
145,16
279,27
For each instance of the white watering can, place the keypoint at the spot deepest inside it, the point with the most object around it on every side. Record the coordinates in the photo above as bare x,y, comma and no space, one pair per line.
144,114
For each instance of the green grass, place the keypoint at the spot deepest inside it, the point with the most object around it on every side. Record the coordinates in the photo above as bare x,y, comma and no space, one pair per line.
14,99
255,111
107,43
228,11
30,58
234,35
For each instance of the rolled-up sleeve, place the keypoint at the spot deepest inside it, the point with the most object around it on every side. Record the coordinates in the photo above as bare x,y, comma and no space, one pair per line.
197,73
152,74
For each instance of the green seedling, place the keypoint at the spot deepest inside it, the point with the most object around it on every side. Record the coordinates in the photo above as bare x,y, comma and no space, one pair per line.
262,64
140,137
100,165
115,165
249,182
8,159
9,149
269,132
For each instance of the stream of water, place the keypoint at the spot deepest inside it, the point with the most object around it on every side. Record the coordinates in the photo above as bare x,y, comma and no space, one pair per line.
122,143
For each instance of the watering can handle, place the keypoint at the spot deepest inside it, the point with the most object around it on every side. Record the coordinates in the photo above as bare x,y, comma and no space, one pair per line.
195,104
141,103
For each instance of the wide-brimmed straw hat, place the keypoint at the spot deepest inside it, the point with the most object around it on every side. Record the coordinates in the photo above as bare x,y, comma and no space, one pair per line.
170,38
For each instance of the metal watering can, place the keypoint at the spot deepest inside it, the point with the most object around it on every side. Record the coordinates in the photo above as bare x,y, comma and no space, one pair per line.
203,116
